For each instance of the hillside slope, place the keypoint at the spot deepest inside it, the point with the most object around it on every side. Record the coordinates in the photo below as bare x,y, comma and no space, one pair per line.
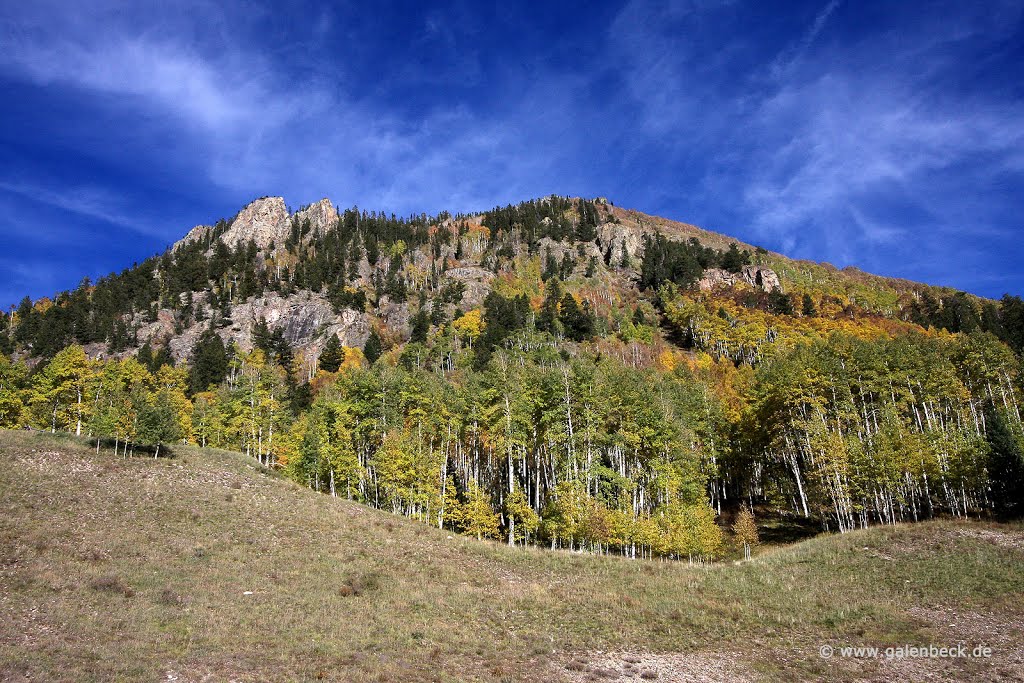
561,372
207,567
314,273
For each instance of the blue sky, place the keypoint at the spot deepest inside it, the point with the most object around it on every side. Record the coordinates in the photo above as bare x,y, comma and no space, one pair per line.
884,135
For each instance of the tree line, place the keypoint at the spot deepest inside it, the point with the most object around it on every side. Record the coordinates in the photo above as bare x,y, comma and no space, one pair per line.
581,450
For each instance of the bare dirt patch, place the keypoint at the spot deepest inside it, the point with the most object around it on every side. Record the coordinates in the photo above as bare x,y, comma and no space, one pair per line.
1004,539
694,667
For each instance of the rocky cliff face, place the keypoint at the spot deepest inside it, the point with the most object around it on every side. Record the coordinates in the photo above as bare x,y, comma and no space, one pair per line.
200,232
264,221
267,221
322,216
477,282
756,276
616,239
307,321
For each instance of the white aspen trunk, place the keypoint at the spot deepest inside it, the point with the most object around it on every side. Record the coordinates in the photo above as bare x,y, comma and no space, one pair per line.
799,483
78,426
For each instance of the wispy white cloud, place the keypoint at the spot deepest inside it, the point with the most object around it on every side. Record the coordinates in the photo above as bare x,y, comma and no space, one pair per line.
843,147
255,126
91,202
785,60
848,142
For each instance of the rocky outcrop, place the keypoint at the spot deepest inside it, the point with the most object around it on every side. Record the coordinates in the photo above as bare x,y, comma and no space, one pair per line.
762,278
322,216
477,282
161,328
758,277
266,221
307,321
200,232
614,239
263,221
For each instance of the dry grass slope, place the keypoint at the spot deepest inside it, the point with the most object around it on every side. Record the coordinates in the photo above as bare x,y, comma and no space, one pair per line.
205,568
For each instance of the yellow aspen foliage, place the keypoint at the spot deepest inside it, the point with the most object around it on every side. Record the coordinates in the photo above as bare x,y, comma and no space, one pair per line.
174,381
745,532
470,325
478,517
523,521
354,358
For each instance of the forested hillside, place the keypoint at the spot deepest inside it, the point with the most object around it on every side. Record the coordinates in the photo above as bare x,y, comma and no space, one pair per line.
562,372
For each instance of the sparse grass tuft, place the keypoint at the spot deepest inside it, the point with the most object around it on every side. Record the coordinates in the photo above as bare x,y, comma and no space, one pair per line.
359,584
111,583
170,598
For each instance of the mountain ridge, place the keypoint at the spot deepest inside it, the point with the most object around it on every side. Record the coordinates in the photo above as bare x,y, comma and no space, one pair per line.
279,238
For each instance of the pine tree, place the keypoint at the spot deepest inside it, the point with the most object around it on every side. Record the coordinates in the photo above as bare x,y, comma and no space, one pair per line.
333,355
420,326
547,318
733,260
1006,466
373,349
808,309
209,364
577,322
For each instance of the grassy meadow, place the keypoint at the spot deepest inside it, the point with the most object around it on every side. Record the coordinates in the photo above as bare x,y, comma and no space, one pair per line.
204,566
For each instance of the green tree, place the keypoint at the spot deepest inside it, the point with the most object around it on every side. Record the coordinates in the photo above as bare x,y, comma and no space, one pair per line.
420,326
577,321
808,309
1006,466
478,517
522,520
59,392
333,355
209,363
373,348
158,422
12,384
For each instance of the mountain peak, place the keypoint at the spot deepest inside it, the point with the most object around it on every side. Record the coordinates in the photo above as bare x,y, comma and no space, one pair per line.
263,221
322,216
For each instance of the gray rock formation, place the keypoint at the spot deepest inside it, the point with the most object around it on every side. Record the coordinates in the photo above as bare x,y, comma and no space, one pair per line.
307,321
322,216
263,221
758,277
477,281
762,278
615,238
200,232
